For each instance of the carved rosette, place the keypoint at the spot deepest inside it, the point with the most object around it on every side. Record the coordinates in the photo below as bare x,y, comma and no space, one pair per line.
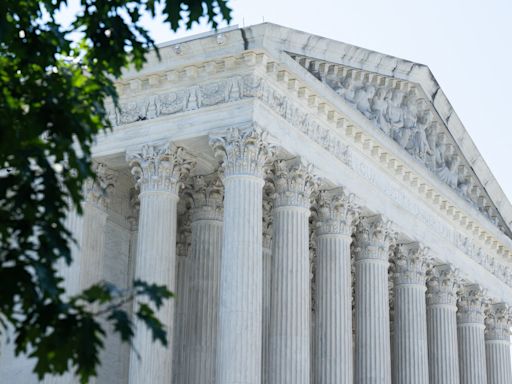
472,305
411,263
498,322
99,190
294,183
160,167
242,151
442,285
374,236
336,212
206,195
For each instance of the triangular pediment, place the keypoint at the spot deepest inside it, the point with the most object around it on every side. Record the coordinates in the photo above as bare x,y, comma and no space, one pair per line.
403,111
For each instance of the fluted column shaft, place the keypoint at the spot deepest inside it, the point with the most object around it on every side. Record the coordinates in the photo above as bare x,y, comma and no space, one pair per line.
158,170
267,280
241,282
443,354
289,353
205,260
94,221
240,314
497,345
93,245
71,273
470,331
410,360
333,327
182,298
372,360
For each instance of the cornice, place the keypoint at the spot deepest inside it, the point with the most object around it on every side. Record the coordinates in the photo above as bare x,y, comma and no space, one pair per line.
317,115
277,40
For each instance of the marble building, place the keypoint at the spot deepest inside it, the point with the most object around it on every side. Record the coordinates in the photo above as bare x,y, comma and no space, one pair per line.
319,209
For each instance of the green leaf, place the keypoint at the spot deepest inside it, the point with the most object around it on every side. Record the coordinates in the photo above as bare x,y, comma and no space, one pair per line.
154,292
147,316
53,90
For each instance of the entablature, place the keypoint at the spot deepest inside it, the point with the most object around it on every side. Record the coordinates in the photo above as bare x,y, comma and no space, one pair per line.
256,75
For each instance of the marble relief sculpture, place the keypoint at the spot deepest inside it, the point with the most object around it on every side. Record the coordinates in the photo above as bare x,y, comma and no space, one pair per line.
407,119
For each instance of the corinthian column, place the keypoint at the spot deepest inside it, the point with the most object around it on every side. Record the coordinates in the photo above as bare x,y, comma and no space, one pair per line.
289,353
471,336
97,193
244,153
201,341
372,360
333,327
497,345
410,360
158,170
443,356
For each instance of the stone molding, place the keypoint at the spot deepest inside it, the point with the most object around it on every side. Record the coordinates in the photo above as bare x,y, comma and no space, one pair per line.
337,212
243,151
294,183
374,237
442,285
160,167
472,304
305,120
411,261
247,86
98,191
254,86
498,321
206,194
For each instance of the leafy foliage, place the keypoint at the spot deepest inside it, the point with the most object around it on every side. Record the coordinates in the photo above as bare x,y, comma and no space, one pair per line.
53,87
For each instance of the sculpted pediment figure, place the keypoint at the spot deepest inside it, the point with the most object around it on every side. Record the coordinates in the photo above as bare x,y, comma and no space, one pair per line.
402,111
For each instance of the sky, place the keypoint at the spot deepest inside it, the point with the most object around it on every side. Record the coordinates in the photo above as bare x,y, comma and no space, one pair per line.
466,43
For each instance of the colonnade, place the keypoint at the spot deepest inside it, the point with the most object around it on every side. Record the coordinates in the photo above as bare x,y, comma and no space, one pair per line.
243,311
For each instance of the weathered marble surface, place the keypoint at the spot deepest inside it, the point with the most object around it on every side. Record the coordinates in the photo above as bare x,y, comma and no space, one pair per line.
376,126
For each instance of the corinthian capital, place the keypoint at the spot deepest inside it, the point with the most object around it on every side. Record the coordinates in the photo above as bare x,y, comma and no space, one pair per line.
411,263
206,194
242,151
373,238
99,190
498,322
472,304
336,212
442,285
294,182
160,167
